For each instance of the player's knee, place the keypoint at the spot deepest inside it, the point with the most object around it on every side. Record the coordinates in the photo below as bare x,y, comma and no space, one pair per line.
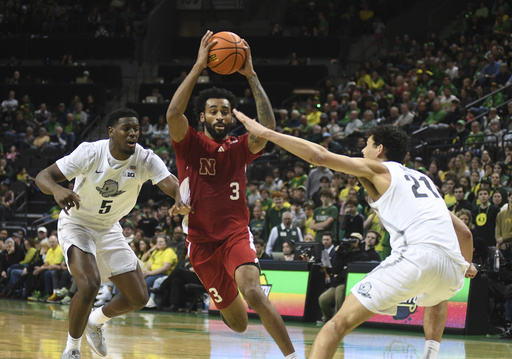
89,288
338,326
139,301
254,296
239,325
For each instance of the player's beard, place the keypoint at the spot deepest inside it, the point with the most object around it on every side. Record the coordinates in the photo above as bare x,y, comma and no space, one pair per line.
216,134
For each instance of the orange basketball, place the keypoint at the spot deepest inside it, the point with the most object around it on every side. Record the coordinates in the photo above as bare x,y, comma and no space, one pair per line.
227,55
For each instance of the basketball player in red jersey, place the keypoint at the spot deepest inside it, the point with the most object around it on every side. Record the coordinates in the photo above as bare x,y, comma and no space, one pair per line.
211,169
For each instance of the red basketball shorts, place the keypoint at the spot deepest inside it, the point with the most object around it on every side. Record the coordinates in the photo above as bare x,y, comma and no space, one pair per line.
215,264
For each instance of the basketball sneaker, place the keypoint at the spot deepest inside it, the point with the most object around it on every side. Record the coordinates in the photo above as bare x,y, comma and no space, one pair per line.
94,335
35,296
54,298
71,354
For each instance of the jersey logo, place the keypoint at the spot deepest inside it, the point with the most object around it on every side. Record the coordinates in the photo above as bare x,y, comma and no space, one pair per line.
221,149
110,189
364,289
207,166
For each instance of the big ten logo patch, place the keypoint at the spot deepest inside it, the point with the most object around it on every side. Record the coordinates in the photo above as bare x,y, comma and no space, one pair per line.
213,58
129,174
406,308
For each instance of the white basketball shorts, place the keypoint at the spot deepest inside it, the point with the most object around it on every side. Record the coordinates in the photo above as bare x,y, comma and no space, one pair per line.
425,272
113,254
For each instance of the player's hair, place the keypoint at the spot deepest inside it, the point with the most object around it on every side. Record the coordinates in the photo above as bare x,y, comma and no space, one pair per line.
120,113
214,92
394,140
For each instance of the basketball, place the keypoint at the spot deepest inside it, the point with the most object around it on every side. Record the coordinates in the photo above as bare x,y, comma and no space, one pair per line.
227,56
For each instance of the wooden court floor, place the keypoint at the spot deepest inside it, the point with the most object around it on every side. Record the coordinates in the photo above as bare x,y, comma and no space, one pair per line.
38,331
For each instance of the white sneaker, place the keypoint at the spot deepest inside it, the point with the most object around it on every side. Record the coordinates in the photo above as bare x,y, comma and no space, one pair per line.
66,300
71,354
94,335
105,295
151,303
99,303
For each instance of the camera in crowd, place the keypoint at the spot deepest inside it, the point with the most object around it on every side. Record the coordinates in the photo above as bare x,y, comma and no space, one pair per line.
347,242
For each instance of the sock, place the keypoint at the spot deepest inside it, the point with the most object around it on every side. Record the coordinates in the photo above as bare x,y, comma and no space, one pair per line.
431,349
73,343
292,356
98,318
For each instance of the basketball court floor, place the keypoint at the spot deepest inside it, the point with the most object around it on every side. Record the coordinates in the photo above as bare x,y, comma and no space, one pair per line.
39,330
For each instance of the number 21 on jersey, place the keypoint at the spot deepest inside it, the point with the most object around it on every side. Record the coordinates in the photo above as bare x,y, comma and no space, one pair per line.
418,188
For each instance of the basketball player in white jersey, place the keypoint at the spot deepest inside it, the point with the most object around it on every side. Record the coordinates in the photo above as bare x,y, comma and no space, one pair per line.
108,177
431,248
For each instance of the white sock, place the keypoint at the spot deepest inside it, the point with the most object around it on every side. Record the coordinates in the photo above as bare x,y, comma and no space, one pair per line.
292,356
431,349
97,317
73,343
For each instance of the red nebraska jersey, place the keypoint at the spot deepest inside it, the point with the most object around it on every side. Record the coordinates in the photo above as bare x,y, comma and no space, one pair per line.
212,180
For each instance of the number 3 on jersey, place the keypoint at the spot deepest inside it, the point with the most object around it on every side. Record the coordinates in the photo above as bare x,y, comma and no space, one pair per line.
416,185
235,188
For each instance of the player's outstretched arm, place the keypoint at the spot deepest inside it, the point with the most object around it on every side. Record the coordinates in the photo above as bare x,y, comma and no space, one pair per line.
314,153
170,186
263,106
48,182
178,123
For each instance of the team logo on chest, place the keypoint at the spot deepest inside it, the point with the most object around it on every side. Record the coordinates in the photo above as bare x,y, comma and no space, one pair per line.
110,189
207,166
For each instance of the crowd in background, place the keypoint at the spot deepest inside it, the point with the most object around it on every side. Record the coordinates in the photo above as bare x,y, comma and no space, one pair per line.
459,84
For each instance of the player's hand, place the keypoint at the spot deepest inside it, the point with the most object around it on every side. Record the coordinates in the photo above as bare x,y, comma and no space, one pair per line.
204,49
471,272
247,68
66,199
180,208
250,124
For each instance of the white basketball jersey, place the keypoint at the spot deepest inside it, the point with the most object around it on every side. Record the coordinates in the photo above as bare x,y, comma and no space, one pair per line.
413,212
108,188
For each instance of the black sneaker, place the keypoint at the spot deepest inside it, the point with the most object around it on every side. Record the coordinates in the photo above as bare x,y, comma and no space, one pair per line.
507,335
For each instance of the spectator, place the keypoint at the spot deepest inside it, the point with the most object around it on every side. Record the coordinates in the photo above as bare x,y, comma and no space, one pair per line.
162,262
347,252
274,214
259,245
287,249
44,282
286,231
10,102
325,216
258,225
300,177
461,202
42,140
353,221
372,239
9,257
437,115
6,199
484,218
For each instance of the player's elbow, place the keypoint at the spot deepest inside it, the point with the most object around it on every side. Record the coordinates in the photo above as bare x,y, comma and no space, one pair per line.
466,234
172,114
319,157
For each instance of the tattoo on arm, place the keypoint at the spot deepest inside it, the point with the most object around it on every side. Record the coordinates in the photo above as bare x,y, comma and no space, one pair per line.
263,109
